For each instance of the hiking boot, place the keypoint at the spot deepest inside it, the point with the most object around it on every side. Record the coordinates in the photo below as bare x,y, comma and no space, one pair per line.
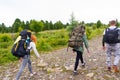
32,74
75,73
109,68
83,65
115,69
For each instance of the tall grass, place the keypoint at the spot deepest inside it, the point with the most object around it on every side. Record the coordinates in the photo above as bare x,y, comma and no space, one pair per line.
46,41
50,40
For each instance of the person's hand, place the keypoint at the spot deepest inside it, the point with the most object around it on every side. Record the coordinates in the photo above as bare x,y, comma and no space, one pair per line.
38,57
74,50
88,50
20,60
104,48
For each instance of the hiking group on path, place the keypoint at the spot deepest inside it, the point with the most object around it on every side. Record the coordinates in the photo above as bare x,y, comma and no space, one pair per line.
111,42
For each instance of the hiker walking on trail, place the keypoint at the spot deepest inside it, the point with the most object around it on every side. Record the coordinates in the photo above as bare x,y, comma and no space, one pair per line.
111,38
31,40
76,41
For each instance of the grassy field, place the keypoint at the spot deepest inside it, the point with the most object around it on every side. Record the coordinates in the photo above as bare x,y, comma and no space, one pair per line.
46,41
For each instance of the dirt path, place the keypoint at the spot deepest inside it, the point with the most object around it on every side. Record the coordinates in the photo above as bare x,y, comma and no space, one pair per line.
58,65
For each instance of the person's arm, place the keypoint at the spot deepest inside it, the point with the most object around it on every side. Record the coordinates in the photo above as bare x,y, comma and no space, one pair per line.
86,42
33,46
103,40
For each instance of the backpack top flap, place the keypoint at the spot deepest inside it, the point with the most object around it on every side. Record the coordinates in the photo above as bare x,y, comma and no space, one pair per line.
76,37
111,35
23,34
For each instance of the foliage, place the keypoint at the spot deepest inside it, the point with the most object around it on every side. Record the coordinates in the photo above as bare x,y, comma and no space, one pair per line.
73,23
6,56
16,25
43,46
99,24
58,25
117,23
5,48
93,33
5,38
88,31
96,33
36,26
50,40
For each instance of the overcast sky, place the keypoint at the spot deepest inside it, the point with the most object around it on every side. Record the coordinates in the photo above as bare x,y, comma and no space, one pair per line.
55,10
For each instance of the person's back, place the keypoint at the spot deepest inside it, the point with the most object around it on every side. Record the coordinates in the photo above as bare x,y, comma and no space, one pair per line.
79,51
111,47
111,35
76,35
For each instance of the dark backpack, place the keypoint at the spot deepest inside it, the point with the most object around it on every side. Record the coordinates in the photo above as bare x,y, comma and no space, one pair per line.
75,40
24,34
111,36
19,49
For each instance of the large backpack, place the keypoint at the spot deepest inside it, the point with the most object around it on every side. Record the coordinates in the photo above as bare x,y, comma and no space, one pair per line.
111,36
19,49
75,40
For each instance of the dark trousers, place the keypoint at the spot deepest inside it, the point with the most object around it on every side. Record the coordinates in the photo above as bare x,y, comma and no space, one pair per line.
78,56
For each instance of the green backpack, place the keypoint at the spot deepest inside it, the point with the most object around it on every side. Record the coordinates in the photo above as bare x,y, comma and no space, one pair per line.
75,37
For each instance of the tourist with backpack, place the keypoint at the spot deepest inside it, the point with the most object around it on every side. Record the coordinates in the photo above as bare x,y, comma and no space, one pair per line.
77,40
26,58
111,39
32,45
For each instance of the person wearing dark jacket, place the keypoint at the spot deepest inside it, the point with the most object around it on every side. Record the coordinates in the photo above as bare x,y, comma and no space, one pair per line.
111,47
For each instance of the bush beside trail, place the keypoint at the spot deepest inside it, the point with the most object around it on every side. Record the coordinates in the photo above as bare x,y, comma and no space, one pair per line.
46,41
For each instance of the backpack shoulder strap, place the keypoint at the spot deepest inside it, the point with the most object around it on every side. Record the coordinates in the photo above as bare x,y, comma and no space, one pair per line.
106,30
116,28
18,39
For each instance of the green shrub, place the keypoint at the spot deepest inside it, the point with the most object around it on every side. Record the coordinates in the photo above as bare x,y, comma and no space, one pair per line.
50,40
95,33
5,44
43,46
6,56
5,38
14,36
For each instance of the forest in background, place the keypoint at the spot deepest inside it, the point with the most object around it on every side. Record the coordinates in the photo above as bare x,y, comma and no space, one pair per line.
41,25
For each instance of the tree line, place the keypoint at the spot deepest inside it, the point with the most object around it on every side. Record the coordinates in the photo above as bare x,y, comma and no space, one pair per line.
37,26
32,25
